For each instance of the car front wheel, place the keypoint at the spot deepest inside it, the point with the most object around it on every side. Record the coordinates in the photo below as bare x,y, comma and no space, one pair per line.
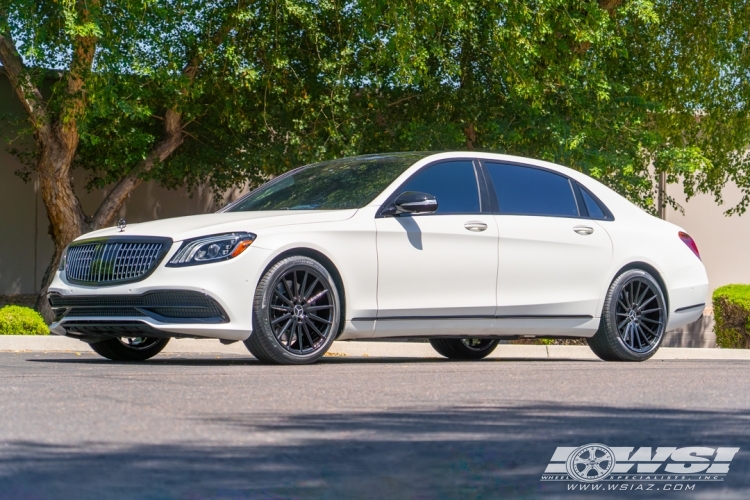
130,348
464,349
296,313
634,318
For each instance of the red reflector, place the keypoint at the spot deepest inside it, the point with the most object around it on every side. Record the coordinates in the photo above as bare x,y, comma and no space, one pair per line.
686,239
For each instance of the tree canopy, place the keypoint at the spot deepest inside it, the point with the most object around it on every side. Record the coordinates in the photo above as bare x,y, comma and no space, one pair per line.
236,91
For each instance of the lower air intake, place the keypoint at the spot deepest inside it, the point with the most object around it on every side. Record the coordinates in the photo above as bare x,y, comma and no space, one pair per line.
166,306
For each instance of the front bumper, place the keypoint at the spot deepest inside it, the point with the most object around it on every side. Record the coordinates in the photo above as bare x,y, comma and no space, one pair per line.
231,284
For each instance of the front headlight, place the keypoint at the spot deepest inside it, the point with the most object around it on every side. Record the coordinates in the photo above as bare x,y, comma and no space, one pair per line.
207,249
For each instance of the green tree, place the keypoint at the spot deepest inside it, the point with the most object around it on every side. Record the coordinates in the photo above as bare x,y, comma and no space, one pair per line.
621,90
177,91
695,65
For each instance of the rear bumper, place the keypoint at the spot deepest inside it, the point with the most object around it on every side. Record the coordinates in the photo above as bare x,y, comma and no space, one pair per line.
688,292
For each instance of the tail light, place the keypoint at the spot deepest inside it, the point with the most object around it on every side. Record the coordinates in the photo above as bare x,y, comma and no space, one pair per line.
686,239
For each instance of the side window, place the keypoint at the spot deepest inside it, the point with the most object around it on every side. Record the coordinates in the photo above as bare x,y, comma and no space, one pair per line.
453,183
532,191
595,211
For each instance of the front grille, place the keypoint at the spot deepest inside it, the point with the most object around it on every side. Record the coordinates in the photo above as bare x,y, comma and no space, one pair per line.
114,260
169,306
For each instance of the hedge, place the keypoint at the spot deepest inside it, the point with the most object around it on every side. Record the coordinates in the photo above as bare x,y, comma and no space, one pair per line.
732,316
17,320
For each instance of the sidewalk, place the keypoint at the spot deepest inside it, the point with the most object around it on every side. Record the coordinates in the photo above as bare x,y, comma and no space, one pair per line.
52,343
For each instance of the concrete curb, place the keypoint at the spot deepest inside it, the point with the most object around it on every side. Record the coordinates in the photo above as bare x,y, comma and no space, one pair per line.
52,343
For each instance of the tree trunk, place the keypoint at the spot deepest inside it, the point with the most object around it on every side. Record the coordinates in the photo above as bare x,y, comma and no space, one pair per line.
57,138
66,216
67,220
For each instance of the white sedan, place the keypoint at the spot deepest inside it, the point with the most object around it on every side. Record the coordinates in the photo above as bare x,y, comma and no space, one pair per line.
462,249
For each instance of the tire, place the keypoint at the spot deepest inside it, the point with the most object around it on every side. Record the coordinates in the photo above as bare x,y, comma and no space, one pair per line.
296,313
130,348
627,331
464,349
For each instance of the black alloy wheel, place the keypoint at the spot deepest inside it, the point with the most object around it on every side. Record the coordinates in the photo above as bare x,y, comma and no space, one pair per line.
634,318
640,315
296,313
130,348
464,349
301,310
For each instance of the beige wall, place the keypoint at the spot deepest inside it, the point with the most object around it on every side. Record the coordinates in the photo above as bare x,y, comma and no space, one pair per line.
18,228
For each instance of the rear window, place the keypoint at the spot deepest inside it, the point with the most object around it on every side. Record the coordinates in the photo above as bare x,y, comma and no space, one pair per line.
594,209
532,191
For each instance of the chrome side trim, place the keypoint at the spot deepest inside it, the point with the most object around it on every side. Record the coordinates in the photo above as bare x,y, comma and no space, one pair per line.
696,306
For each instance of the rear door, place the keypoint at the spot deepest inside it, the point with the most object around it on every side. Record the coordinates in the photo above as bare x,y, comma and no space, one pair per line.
552,261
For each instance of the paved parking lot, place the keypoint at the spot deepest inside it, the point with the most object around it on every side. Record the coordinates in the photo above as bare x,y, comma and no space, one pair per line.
200,426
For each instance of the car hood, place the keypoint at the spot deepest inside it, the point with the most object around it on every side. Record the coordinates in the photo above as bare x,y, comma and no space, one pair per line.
182,228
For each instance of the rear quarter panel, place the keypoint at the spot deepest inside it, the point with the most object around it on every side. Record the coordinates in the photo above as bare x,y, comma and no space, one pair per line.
638,237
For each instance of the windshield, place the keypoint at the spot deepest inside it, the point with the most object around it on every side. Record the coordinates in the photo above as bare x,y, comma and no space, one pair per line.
331,185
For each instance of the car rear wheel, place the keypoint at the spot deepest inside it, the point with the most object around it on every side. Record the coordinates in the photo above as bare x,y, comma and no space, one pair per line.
464,349
634,318
296,313
130,348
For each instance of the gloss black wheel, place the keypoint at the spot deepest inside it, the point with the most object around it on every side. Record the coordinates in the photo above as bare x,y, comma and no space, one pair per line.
464,349
640,315
130,348
296,313
634,318
301,310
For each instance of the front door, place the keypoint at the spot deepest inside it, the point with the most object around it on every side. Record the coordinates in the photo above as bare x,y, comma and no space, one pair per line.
440,269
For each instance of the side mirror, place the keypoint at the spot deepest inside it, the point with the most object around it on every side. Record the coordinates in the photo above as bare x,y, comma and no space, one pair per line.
414,202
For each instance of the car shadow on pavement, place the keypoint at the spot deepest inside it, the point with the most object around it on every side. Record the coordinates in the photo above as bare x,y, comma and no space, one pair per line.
176,361
489,452
195,360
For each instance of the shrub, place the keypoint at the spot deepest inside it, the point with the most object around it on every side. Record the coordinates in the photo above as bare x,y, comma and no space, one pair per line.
17,320
732,316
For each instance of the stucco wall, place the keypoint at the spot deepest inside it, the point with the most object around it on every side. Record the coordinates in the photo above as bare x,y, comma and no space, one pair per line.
19,239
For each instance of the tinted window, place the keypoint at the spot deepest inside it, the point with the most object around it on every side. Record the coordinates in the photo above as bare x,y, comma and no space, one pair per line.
453,183
331,185
595,211
532,191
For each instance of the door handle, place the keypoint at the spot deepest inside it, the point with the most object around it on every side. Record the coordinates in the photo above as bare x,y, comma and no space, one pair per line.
475,226
583,230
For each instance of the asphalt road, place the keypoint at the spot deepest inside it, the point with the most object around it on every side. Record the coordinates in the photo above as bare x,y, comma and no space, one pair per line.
78,427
